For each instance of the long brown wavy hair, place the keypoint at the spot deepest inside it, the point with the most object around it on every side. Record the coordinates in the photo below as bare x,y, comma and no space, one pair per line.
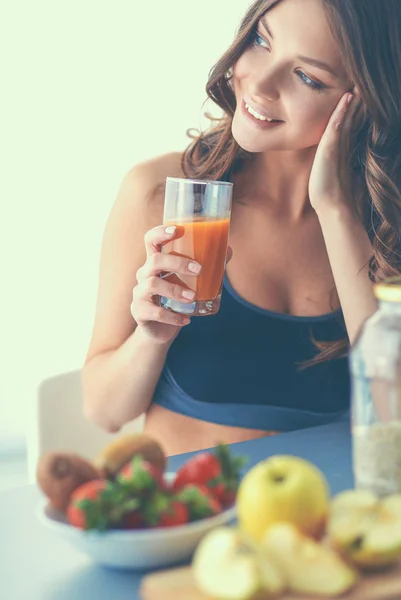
368,33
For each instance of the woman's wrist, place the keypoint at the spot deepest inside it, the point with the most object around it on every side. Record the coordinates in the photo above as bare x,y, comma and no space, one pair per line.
337,210
149,342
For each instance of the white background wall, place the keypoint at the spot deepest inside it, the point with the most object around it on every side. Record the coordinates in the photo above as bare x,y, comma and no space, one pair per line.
89,88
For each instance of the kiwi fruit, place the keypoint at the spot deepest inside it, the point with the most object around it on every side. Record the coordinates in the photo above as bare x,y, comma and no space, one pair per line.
59,474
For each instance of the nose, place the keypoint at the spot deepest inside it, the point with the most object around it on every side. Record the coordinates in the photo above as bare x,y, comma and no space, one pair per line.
265,85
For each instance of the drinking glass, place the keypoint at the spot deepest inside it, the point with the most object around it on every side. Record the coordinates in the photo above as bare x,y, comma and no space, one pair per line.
201,211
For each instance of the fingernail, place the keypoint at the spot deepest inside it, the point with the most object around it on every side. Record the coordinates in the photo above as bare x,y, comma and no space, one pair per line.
194,267
189,294
170,230
350,98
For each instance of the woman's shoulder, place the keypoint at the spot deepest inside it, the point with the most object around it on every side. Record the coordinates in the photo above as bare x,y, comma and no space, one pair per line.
151,174
142,189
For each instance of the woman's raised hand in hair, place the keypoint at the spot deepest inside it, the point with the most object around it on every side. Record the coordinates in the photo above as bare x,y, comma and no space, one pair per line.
329,182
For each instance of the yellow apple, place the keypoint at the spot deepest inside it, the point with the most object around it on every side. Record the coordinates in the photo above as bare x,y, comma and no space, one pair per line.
366,529
308,567
283,488
229,567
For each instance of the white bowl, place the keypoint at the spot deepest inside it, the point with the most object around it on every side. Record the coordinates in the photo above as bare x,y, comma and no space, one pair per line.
135,549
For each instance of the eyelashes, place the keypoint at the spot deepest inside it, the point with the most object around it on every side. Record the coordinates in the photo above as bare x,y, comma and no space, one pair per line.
259,42
314,85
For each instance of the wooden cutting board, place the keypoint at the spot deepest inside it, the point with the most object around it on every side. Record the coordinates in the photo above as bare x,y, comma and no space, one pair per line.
178,584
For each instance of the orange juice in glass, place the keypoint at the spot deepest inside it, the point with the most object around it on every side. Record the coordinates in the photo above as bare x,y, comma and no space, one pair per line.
201,211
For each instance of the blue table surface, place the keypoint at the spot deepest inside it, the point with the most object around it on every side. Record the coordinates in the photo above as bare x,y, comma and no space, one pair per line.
36,565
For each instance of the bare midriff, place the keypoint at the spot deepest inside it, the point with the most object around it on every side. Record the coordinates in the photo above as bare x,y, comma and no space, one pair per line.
178,433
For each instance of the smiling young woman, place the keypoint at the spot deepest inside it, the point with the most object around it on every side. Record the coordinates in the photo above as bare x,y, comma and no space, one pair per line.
311,138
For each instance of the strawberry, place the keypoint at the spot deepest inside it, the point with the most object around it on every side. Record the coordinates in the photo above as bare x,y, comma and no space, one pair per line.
165,510
99,504
219,471
176,514
199,470
140,477
200,501
133,520
227,497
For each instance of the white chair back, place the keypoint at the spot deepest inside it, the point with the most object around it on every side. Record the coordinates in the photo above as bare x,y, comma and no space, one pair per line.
61,425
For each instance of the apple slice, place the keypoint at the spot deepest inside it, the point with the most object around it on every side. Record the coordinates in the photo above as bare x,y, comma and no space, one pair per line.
229,567
308,567
366,529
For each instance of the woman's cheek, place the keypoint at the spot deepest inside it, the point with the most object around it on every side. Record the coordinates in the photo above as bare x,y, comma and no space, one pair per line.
242,68
324,111
310,118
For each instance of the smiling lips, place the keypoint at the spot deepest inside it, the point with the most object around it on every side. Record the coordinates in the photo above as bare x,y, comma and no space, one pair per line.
258,117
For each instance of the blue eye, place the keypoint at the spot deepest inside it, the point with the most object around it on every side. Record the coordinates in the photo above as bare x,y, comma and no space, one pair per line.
259,41
305,80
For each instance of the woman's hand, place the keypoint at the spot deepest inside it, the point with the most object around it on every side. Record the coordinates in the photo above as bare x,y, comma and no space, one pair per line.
156,322
329,181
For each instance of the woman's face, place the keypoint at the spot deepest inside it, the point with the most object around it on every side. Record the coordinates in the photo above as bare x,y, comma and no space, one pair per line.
278,77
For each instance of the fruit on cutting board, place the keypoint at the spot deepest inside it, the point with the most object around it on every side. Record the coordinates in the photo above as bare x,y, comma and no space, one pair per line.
308,566
283,488
59,473
227,566
365,528
121,451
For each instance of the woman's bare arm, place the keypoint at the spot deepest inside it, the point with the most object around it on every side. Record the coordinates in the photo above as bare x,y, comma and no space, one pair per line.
349,250
123,366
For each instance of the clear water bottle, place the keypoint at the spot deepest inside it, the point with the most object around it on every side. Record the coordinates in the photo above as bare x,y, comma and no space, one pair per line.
375,362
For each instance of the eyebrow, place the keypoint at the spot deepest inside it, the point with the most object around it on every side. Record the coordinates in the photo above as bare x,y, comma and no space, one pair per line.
311,61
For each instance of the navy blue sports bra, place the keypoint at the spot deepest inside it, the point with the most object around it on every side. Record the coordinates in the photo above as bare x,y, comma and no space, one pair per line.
241,368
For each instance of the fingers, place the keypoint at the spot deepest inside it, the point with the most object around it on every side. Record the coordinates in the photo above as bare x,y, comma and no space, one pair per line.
144,308
337,132
353,108
146,311
345,111
155,286
161,263
341,111
157,237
